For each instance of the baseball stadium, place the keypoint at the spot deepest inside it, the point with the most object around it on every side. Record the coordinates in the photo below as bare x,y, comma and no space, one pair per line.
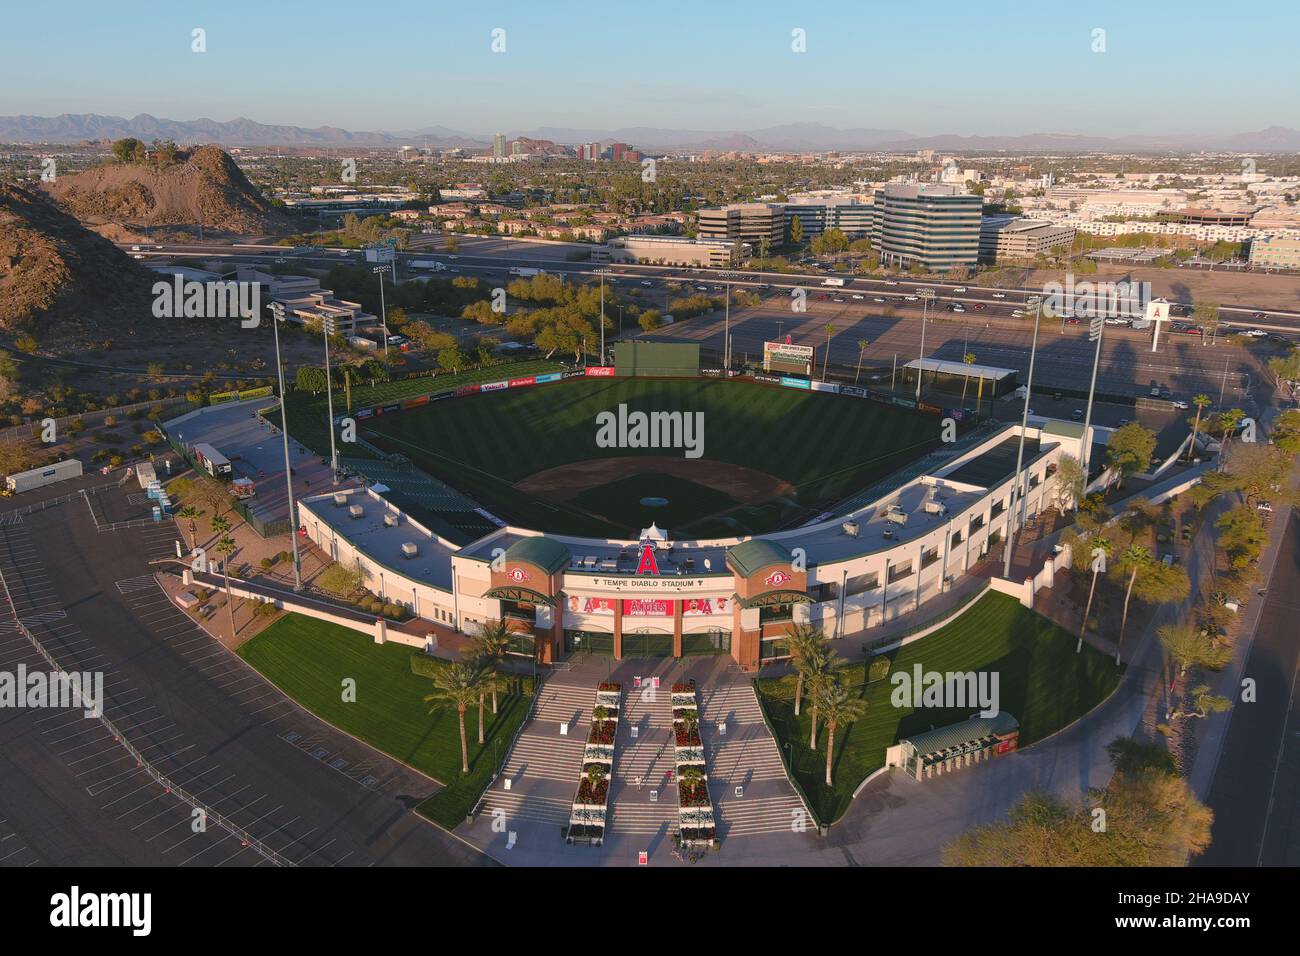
655,508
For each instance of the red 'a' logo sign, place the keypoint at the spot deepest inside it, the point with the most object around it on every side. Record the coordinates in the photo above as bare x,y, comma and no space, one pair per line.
776,579
648,564
518,575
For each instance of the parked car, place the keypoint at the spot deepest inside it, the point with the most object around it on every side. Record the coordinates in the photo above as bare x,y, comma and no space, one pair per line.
960,289
1179,403
1265,506
1077,414
978,306
877,299
999,295
856,296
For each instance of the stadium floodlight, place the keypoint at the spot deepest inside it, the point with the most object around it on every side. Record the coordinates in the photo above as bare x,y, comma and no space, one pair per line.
329,401
1095,331
383,310
926,295
1020,452
277,310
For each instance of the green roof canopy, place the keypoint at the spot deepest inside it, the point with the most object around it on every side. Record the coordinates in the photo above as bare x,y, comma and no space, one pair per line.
955,735
751,556
541,552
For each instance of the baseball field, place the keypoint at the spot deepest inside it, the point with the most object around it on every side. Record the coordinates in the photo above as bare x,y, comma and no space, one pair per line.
760,457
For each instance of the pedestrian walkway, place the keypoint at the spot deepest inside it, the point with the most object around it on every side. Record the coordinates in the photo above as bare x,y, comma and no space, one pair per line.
642,797
745,756
543,765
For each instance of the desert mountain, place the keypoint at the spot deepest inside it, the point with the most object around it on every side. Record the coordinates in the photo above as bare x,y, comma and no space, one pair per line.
204,186
53,270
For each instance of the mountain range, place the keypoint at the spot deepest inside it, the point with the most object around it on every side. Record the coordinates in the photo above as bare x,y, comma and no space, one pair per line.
74,128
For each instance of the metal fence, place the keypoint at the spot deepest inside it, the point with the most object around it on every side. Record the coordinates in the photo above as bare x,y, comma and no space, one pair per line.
209,814
32,429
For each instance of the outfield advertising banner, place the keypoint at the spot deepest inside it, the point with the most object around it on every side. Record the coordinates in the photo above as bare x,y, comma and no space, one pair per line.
548,377
493,386
795,382
573,373
364,413
825,387
521,382
600,371
853,390
768,379
466,390
416,402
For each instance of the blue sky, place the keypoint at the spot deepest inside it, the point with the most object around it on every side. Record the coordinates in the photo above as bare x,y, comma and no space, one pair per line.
926,68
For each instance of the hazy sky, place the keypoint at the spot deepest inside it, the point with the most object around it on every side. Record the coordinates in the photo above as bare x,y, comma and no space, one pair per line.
923,67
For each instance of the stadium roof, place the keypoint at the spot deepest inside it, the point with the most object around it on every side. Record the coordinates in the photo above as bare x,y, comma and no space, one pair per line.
961,368
545,553
749,556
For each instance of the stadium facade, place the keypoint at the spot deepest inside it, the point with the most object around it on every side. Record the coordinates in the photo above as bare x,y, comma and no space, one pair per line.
879,554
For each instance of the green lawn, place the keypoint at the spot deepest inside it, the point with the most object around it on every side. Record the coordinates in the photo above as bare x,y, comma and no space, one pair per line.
1042,683
308,659
825,445
308,414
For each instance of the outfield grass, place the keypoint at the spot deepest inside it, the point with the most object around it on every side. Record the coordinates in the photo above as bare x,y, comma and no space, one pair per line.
1043,683
824,445
309,659
308,414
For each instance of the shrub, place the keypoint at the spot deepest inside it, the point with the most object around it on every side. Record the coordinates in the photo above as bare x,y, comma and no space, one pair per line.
879,669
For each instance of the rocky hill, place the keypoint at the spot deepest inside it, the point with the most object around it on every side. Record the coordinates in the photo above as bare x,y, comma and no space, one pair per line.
204,186
56,272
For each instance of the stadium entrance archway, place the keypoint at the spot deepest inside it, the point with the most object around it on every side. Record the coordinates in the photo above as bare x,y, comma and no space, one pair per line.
715,641
647,642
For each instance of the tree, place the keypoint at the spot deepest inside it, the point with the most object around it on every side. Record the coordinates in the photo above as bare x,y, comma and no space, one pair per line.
310,378
650,319
1201,401
838,707
452,243
692,777
1130,448
821,674
804,642
16,455
1069,483
1286,432
1132,562
1227,423
1207,317
456,684
862,348
796,231
1260,471
129,150
1106,549
492,644
452,358
1203,704
190,513
227,546
1285,368
1189,646
1242,536
968,359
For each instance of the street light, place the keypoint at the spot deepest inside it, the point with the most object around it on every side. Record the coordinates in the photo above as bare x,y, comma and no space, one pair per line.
277,311
1020,452
329,401
383,310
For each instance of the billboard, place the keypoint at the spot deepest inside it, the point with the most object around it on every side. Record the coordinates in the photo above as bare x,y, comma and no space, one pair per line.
600,371
704,607
796,383
791,359
647,607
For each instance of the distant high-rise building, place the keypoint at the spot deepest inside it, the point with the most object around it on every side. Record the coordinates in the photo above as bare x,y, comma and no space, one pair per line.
499,145
616,151
590,151
748,222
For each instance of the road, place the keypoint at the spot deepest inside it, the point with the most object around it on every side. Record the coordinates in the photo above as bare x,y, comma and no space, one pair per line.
1255,792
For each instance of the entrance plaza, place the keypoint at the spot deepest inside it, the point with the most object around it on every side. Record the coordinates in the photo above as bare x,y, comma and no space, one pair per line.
657,597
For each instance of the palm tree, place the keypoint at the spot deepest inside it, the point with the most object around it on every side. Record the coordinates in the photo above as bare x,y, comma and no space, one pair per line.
803,641
1106,548
821,673
220,524
1133,560
1187,646
862,347
189,512
692,777
227,547
1201,402
826,362
1227,422
492,644
969,359
1205,704
456,684
837,707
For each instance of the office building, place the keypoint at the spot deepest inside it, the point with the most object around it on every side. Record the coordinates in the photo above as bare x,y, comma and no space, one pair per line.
936,227
499,145
1016,239
1276,252
748,222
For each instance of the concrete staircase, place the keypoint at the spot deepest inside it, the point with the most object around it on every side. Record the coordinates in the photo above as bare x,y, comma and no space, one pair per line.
649,757
745,756
543,767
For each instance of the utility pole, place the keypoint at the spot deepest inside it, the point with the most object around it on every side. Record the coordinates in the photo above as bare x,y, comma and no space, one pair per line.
277,310
926,295
1020,453
602,317
726,334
